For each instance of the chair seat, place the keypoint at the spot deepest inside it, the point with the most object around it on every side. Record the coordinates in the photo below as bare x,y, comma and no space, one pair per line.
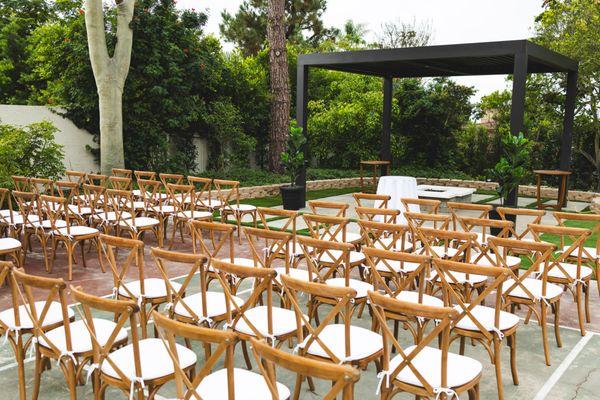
8,244
442,251
361,287
461,278
535,287
139,205
6,213
511,261
53,316
215,305
428,362
153,288
247,385
80,210
154,360
78,230
284,321
139,222
571,270
331,256
189,214
485,316
242,207
47,224
18,219
293,272
245,262
80,337
351,237
363,342
111,216
396,266
163,209
585,254
385,243
413,297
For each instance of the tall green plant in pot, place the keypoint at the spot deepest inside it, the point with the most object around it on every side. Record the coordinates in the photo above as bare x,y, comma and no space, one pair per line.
293,161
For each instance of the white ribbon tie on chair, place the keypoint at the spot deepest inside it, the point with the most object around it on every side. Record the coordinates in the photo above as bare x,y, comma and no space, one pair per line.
450,394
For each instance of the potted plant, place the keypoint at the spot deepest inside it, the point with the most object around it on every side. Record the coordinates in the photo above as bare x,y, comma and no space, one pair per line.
511,170
292,158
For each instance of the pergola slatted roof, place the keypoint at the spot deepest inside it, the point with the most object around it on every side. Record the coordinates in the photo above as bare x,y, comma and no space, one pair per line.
516,57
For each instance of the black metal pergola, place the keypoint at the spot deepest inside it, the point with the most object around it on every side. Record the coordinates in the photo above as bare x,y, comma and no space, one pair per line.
516,57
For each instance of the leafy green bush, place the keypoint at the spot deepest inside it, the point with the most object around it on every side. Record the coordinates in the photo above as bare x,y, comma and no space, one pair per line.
293,156
513,167
29,151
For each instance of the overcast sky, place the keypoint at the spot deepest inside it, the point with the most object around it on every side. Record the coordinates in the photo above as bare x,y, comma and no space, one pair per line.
452,21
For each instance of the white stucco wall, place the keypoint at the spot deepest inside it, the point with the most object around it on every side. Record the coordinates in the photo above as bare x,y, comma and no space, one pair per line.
71,137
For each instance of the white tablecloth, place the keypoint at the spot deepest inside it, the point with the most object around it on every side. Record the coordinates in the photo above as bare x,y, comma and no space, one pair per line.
399,187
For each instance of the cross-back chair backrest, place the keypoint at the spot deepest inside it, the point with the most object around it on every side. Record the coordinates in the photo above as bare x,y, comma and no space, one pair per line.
509,213
75,176
95,198
386,215
56,209
267,246
125,312
97,179
21,183
214,238
121,254
196,267
122,172
263,279
322,207
149,191
421,220
428,206
289,218
342,297
325,258
484,226
576,238
541,252
227,192
7,280
147,175
42,186
51,290
6,217
121,203
384,306
389,260
170,330
438,242
68,190
203,191
326,227
479,210
563,218
27,203
342,377
182,197
120,182
371,200
384,236
176,179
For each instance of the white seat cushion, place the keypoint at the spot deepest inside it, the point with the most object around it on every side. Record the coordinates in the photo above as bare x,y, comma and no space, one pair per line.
154,360
485,316
535,288
18,219
396,266
511,261
351,237
73,208
332,256
385,243
6,213
139,222
284,321
461,278
246,262
361,287
154,288
112,216
571,270
47,224
242,207
189,214
7,244
80,336
413,297
215,305
586,252
77,231
363,342
293,272
428,362
164,209
139,205
248,385
53,316
443,252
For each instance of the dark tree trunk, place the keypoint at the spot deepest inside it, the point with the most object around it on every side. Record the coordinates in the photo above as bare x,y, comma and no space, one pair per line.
279,81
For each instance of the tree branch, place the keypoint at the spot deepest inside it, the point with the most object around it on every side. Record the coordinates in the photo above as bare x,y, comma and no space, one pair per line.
122,56
94,23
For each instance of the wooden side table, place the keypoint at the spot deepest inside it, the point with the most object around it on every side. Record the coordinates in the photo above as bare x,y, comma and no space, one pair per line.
562,189
374,164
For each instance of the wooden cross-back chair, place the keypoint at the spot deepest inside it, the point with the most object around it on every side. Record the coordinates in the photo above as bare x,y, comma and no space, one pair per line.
212,381
122,173
101,216
333,229
423,369
335,209
21,183
204,196
511,214
342,377
393,237
183,198
401,276
122,255
421,220
42,186
75,202
385,215
57,337
75,176
143,364
338,343
154,205
61,230
371,200
425,206
176,179
228,194
565,270
213,239
531,288
121,202
482,227
255,317
288,223
486,325
147,175
470,210
26,221
120,183
9,245
441,243
590,254
97,179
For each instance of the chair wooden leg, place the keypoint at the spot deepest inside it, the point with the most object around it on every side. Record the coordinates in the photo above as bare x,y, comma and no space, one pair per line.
246,357
498,366
20,356
297,387
82,247
588,318
173,234
557,323
461,349
544,332
97,240
37,375
580,308
70,257
513,357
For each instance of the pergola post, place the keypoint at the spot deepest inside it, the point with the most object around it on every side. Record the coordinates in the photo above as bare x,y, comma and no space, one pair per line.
386,144
302,112
517,109
567,136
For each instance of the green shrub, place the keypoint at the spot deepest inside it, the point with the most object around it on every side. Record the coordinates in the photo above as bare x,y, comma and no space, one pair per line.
29,151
